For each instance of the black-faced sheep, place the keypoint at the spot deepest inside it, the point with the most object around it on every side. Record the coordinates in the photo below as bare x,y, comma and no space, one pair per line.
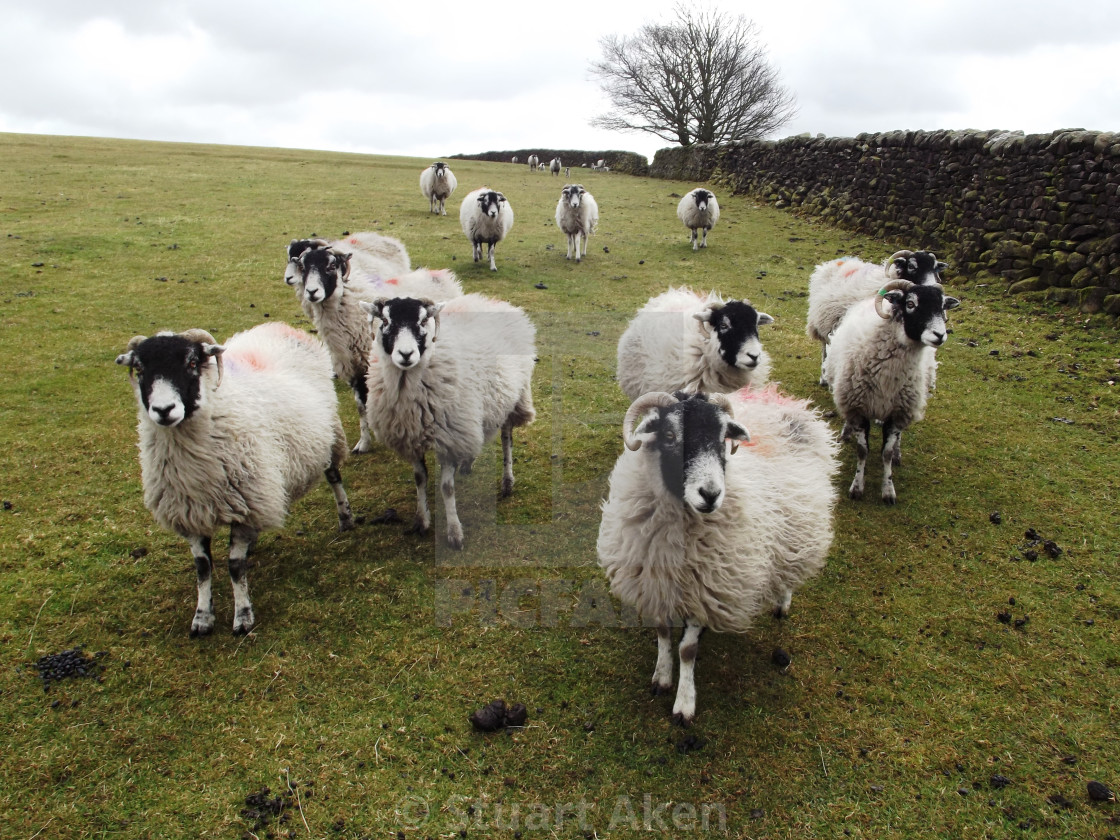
682,340
555,166
331,291
577,214
231,435
448,377
486,217
437,182
698,211
835,285
881,364
693,534
534,161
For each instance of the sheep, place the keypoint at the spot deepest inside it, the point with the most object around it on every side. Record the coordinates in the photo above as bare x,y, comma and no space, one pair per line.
541,167
486,217
330,291
698,210
836,285
599,165
449,376
514,159
372,254
555,166
683,340
437,182
577,214
534,161
567,172
231,435
691,534
881,363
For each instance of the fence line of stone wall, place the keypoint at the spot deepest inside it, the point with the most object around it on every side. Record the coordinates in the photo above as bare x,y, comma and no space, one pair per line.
1040,211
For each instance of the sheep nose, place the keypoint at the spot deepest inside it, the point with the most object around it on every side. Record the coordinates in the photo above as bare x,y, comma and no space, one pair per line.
406,357
164,413
752,359
938,339
710,498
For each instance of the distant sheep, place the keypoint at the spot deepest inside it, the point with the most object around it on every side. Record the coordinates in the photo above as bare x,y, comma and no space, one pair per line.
698,211
486,217
514,160
555,166
232,435
533,162
837,284
449,376
696,534
437,182
577,214
684,340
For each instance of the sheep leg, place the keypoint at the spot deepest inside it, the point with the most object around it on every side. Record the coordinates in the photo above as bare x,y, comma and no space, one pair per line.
423,519
859,435
507,458
447,488
693,239
490,252
781,609
824,357
342,503
361,393
663,670
241,539
684,708
477,251
203,622
704,241
569,254
891,440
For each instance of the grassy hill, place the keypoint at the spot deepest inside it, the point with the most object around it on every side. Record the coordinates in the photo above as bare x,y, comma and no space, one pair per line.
949,676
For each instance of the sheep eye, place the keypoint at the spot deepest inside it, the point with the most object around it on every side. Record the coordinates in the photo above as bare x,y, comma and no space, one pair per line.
670,436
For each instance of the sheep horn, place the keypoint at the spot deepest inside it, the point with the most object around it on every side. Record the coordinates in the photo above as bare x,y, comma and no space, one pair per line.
880,296
640,406
897,255
136,341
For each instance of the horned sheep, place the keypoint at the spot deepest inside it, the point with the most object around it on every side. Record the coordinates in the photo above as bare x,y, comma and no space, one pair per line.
692,534
486,217
683,340
881,365
698,211
448,376
577,215
835,285
231,435
437,182
330,292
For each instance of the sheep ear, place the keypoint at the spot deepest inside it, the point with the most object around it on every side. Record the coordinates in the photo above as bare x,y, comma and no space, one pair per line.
940,266
951,303
737,434
763,319
649,425
213,349
706,316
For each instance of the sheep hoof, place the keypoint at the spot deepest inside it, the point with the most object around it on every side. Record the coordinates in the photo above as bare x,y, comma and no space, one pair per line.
890,498
855,493
346,523
682,720
657,689
244,621
455,541
417,527
781,612
360,449
202,625
507,486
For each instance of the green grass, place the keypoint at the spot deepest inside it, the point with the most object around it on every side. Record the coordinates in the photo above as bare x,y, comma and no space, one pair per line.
905,695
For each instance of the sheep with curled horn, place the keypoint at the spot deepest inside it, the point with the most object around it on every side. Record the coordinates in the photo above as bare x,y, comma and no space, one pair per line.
882,364
837,284
711,525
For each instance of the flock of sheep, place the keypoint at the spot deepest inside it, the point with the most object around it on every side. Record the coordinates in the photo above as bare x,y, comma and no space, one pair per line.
720,503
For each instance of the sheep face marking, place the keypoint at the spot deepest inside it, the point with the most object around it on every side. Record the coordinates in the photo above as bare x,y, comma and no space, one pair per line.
490,203
734,327
407,330
292,272
921,310
168,375
688,438
573,194
324,273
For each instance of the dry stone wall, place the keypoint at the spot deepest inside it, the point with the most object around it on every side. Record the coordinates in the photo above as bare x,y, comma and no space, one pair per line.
1039,211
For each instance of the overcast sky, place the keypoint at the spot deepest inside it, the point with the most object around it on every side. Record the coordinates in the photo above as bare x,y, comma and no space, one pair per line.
444,77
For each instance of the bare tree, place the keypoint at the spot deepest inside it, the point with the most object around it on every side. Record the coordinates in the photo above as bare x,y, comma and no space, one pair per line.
703,78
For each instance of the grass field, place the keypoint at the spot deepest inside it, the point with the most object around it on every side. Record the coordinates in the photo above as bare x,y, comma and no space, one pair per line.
908,696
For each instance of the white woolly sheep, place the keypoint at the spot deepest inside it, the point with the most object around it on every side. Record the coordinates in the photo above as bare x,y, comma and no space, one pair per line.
534,161
448,377
836,285
486,217
231,435
577,214
331,294
514,159
698,211
555,166
682,340
372,255
437,182
881,363
691,534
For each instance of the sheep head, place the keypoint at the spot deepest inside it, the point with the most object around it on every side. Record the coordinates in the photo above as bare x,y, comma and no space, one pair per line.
888,293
